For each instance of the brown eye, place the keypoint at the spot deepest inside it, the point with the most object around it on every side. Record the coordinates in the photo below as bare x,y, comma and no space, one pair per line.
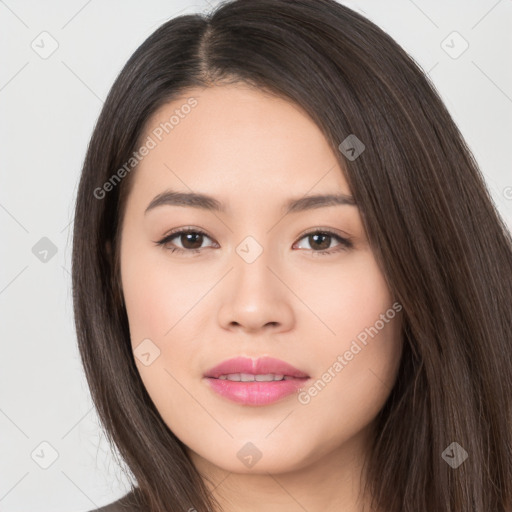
187,240
191,240
320,242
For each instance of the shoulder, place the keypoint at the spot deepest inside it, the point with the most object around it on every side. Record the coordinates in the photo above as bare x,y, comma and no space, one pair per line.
128,503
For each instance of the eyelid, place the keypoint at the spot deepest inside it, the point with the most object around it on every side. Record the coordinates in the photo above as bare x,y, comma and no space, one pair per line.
178,231
345,241
320,229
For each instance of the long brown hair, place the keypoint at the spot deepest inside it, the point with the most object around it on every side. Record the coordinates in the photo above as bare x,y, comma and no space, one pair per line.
442,246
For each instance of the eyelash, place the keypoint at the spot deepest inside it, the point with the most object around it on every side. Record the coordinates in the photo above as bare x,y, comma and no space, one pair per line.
345,243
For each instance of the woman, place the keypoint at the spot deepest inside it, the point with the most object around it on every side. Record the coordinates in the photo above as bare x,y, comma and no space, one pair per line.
232,367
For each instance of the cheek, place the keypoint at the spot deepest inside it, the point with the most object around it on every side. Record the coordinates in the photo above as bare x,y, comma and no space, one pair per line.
162,306
157,301
358,364
347,298
157,296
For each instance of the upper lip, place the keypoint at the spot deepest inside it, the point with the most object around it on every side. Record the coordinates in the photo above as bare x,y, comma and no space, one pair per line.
260,366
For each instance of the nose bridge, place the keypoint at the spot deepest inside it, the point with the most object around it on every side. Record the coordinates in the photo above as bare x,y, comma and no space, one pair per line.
256,297
250,249
252,260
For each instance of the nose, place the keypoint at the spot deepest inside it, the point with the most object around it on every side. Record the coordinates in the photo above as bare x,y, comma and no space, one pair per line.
255,298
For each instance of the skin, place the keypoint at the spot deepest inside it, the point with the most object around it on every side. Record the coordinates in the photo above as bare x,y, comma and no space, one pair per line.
253,152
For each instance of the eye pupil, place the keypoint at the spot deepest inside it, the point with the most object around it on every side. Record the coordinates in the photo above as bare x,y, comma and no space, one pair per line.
316,236
189,237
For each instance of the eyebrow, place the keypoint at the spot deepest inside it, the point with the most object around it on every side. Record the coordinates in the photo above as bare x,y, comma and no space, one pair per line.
209,203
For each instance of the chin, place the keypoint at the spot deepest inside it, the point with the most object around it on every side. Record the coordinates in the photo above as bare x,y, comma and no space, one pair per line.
259,456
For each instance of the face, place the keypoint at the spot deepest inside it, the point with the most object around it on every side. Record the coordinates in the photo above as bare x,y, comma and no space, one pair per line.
260,270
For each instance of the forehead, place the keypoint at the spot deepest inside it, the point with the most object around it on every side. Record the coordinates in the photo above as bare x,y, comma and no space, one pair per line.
237,139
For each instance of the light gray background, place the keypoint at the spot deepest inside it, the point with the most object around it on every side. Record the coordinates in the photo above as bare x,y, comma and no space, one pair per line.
48,108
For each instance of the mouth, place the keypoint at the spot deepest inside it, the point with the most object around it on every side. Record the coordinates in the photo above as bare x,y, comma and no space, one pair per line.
255,382
249,377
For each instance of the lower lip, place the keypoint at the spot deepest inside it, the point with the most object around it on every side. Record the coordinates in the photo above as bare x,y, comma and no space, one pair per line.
255,393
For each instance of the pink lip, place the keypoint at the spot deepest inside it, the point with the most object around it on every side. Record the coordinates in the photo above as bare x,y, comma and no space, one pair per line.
255,393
